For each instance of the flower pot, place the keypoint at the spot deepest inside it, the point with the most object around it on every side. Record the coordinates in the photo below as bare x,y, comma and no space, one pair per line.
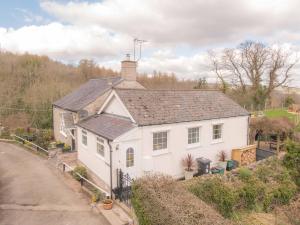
107,204
188,174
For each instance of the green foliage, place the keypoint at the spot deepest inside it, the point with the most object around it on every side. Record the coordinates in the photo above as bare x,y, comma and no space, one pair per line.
137,203
43,138
289,101
159,200
215,191
97,195
66,148
244,174
251,193
5,133
292,160
80,170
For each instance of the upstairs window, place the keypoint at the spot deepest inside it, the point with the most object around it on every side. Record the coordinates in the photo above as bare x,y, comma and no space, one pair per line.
160,140
193,135
100,147
129,157
217,131
84,137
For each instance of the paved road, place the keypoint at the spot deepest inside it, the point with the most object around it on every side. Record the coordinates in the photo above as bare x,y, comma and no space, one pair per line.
34,193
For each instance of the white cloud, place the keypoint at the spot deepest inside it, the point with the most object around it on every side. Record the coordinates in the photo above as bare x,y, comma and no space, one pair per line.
104,30
64,42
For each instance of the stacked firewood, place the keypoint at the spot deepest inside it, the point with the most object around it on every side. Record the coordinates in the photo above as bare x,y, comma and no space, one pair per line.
248,156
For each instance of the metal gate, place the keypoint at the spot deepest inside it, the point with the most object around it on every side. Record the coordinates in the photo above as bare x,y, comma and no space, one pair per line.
123,189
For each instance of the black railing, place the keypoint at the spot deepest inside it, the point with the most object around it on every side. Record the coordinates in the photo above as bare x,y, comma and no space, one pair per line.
123,189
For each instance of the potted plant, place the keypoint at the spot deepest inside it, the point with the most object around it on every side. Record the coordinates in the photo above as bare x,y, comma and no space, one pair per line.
60,144
66,148
107,204
222,156
189,164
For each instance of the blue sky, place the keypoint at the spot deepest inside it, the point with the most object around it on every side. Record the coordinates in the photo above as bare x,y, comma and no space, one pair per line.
178,34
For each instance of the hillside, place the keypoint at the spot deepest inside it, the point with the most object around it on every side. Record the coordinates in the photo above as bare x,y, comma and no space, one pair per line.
30,83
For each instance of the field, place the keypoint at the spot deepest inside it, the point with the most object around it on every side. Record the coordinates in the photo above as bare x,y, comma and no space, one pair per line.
275,113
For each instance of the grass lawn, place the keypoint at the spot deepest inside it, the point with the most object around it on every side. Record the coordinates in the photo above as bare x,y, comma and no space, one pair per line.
275,113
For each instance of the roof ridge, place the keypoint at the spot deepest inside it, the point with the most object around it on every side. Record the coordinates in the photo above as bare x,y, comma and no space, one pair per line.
105,78
177,90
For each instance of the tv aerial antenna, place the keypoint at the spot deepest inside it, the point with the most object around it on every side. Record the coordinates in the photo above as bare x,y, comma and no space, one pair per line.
137,46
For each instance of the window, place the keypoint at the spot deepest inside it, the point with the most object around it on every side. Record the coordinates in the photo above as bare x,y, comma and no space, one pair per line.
217,131
160,140
100,147
62,125
84,137
193,135
129,157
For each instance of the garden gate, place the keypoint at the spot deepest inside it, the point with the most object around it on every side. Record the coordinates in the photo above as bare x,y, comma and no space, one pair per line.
123,189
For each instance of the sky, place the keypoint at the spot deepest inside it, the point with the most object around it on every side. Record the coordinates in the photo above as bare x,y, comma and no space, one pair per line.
178,33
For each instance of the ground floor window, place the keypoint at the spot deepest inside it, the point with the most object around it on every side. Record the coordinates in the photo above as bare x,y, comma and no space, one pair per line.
84,137
129,157
100,147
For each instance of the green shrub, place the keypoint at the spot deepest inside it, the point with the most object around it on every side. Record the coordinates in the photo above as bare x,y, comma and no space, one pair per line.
251,193
80,170
284,193
215,191
66,148
268,202
5,133
292,160
244,174
97,195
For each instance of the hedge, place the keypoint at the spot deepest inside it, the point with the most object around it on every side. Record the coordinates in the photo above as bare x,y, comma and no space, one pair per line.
159,200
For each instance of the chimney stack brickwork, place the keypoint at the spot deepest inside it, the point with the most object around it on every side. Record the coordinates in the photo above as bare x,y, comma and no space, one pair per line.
128,69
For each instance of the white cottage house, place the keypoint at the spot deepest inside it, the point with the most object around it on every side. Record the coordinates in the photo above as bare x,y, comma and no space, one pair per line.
144,131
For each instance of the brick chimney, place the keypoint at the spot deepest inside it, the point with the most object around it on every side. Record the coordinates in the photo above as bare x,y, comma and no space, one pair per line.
128,69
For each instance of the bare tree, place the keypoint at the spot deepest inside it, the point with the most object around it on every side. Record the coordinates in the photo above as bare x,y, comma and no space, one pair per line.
254,68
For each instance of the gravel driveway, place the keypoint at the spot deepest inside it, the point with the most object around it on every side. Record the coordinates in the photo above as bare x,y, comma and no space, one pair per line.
34,193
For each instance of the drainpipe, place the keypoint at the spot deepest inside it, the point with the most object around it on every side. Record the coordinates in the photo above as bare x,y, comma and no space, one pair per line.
110,167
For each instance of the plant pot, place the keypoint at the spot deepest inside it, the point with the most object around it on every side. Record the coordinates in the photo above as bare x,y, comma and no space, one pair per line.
107,204
188,174
223,165
60,145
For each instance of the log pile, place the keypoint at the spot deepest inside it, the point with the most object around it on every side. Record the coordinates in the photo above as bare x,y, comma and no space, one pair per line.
245,156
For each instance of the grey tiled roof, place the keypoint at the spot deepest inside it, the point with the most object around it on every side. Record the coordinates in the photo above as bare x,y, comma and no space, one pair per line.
106,125
86,93
150,107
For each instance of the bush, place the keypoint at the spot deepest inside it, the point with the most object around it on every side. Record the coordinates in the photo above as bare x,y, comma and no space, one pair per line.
292,160
97,195
252,192
66,148
244,174
5,133
215,191
159,200
43,138
80,170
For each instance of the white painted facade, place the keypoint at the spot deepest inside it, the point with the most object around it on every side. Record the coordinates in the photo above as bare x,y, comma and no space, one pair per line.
168,161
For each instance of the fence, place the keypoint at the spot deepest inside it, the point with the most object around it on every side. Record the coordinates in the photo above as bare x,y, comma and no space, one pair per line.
84,181
31,143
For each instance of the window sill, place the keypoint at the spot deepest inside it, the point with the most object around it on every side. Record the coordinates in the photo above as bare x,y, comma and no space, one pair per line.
100,157
192,146
160,152
218,141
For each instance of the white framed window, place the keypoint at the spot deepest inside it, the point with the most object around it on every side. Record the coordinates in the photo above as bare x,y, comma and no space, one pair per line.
100,147
129,157
84,139
62,128
217,131
193,135
160,140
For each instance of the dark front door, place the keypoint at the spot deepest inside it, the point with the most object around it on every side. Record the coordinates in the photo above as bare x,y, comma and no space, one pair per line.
73,141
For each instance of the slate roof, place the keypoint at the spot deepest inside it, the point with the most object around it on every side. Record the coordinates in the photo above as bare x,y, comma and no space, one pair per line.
107,125
86,93
153,107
